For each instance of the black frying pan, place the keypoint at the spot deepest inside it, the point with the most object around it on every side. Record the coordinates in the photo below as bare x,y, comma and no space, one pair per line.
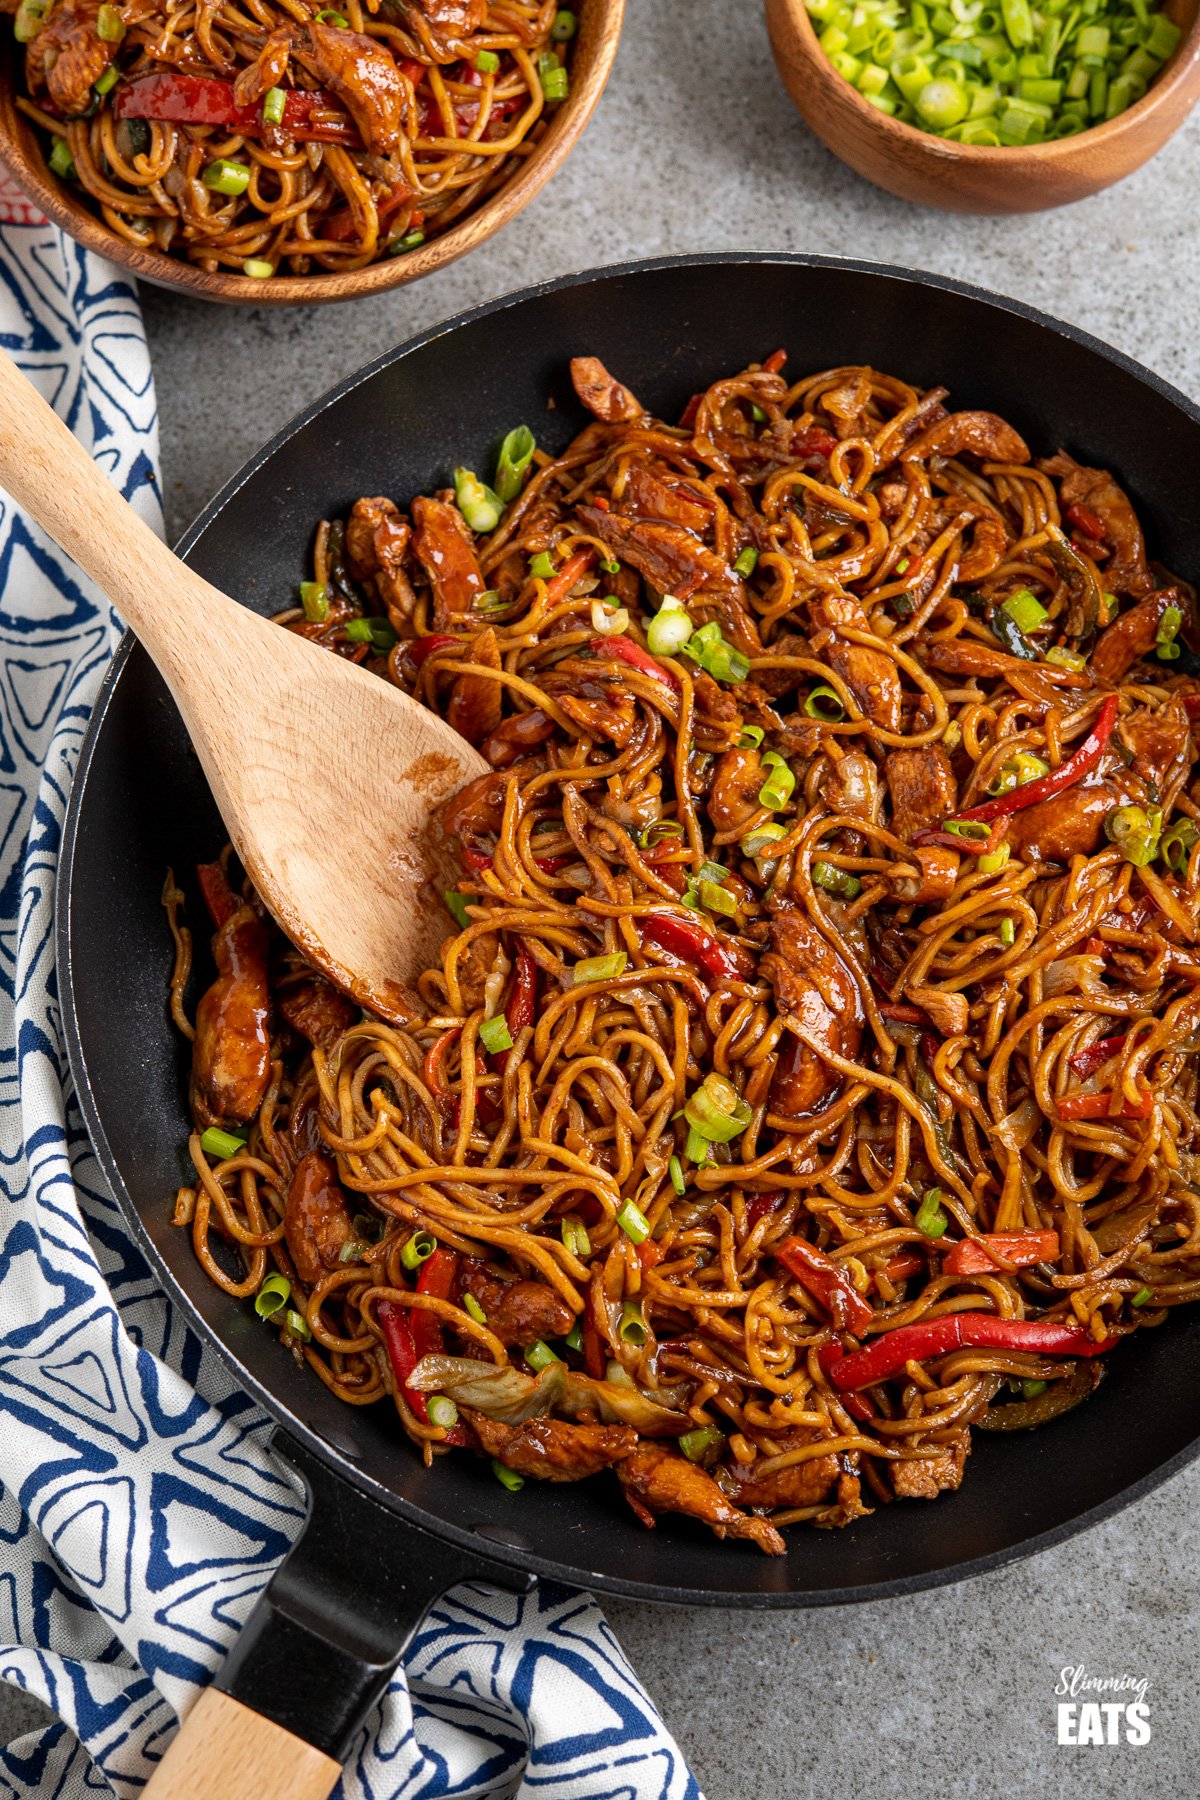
140,803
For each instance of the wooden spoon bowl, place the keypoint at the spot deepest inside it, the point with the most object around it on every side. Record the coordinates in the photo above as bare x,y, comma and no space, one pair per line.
972,178
23,155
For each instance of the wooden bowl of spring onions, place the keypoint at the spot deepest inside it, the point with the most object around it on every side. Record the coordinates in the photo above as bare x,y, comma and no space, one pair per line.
596,34
990,106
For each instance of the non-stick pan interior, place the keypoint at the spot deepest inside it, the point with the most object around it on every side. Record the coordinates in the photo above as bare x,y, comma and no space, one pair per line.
141,805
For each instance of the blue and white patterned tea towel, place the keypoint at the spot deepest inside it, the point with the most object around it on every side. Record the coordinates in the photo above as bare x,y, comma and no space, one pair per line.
141,1511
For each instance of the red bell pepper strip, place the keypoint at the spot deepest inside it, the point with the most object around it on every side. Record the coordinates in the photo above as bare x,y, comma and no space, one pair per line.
680,937
435,1277
812,441
858,1408
1084,519
1030,793
775,362
1086,1062
560,585
476,860
687,417
887,1355
1191,706
1020,1248
650,1254
396,1323
180,99
520,1007
594,1359
423,647
219,897
827,1282
435,1081
623,649
946,840
758,1206
1099,1106
903,1014
909,1262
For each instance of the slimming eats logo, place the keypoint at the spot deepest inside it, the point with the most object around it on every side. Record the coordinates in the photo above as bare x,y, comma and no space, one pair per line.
1102,1709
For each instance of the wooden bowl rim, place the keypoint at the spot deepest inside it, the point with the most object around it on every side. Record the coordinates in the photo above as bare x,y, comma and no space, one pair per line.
1171,76
602,20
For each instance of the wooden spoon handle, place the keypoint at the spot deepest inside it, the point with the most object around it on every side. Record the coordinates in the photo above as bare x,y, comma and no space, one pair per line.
223,1751
50,474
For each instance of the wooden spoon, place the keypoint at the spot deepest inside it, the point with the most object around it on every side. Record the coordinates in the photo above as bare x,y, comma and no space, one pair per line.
326,776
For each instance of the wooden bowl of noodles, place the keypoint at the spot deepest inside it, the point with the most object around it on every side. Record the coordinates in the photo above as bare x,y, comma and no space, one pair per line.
300,187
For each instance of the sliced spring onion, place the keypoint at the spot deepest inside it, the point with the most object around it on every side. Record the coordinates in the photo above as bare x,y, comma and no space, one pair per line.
750,737
564,26
1031,1389
747,562
712,871
716,899
110,26
104,83
1168,631
376,632
609,619
574,1339
1022,767
575,1236
494,1035
456,905
297,1325
487,62
314,598
1008,932
274,101
675,1171
329,17
777,789
61,160
352,1251
974,829
1135,830
30,17
412,240
670,629
508,1478
697,1147
477,502
516,452
472,1307
824,703
418,1249
599,968
489,602
257,269
632,1328
931,1221
716,1110
272,1296
633,1222
542,565
215,1142
1063,658
756,841
539,1356
1176,845
553,76
994,860
610,565
1025,610
836,881
718,658
442,1412
695,1445
1140,1298
225,176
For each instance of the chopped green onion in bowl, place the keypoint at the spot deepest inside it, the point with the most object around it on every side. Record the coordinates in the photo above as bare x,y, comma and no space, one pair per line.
996,76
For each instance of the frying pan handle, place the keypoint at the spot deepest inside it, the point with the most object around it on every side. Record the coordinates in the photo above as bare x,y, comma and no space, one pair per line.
318,1651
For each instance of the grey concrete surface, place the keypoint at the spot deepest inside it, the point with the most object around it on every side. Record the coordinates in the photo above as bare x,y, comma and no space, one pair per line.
695,147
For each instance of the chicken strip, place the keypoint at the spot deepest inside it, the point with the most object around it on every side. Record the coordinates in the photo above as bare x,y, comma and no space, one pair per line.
551,1449
657,1480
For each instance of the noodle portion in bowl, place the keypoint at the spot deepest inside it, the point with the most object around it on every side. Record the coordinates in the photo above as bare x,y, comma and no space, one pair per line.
278,138
809,1073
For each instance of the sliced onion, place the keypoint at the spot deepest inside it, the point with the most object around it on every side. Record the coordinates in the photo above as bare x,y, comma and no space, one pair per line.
620,1403
502,1393
1017,1128
1074,974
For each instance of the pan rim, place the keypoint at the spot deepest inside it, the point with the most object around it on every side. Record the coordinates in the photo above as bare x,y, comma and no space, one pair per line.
516,1556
